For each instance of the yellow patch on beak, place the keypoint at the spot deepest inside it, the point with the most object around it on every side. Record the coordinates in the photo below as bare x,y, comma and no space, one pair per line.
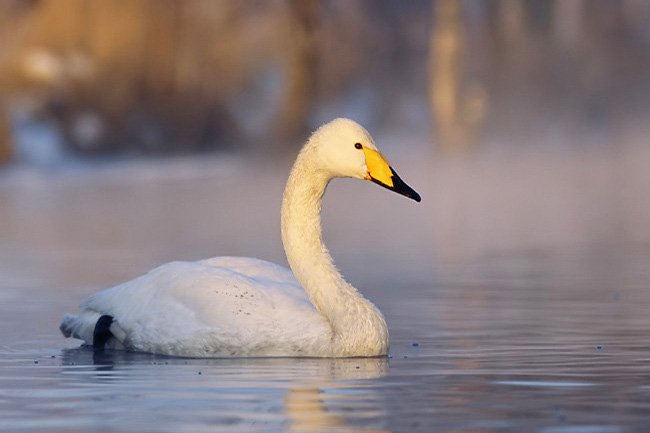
378,167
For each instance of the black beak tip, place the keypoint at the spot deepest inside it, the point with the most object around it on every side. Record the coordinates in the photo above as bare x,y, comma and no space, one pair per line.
402,188
409,192
399,187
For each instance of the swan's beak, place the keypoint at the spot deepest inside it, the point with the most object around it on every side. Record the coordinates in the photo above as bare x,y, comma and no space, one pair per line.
380,172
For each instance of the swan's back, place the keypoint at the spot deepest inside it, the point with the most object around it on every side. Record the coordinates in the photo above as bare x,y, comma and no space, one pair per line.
225,306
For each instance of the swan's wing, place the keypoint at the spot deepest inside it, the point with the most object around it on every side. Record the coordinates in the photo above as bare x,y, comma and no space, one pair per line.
253,268
204,309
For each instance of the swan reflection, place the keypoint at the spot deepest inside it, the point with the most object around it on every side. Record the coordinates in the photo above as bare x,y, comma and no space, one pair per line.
292,394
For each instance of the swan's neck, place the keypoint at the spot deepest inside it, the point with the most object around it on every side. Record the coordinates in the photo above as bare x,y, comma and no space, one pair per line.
358,327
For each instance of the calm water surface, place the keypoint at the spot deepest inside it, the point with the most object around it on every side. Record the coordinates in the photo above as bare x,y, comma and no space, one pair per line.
536,341
550,350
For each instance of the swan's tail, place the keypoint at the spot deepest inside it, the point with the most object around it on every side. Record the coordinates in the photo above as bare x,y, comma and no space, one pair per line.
80,325
94,328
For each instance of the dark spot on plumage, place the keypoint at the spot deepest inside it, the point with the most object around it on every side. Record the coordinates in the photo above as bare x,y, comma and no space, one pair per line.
102,332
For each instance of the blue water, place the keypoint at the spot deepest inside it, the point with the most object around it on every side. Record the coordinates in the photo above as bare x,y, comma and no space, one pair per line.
545,340
513,352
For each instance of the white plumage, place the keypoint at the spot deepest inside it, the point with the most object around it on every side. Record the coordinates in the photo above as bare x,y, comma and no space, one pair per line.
244,307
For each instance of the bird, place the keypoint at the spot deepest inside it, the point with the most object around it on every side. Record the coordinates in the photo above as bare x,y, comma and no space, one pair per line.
227,307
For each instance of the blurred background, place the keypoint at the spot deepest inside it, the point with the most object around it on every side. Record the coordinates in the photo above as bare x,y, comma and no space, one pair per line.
523,123
166,76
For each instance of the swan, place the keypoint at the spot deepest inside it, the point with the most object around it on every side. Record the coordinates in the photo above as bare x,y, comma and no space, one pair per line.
246,307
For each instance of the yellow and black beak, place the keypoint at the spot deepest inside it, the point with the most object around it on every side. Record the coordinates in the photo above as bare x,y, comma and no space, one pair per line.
380,172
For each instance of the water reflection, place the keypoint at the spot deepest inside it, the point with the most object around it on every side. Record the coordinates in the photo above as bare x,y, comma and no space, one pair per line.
298,395
321,405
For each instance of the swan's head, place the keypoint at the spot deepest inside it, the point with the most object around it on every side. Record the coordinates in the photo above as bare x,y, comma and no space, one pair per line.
345,149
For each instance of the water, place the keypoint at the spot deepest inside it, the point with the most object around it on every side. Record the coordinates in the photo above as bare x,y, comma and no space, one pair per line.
545,340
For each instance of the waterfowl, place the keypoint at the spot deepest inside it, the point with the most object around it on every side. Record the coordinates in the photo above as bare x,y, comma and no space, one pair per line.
245,307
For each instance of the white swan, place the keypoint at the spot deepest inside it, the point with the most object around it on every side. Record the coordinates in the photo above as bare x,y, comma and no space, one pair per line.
244,307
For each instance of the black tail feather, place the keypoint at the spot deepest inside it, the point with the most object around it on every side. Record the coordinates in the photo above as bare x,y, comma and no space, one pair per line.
102,332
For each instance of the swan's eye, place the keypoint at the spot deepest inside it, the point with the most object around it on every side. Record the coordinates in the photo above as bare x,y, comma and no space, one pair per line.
358,146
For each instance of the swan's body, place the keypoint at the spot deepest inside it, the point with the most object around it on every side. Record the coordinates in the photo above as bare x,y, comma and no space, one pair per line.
239,307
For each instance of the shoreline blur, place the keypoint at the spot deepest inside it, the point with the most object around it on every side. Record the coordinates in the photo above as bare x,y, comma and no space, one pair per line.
82,79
